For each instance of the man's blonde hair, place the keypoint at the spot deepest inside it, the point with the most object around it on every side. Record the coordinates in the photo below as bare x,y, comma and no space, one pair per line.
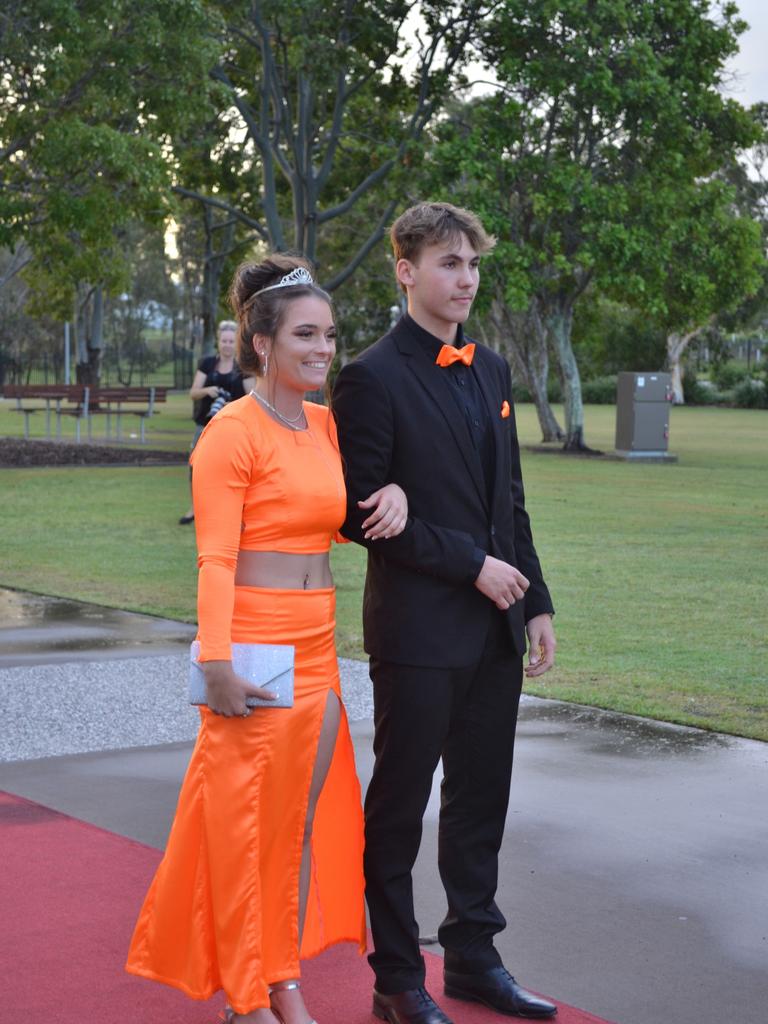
434,224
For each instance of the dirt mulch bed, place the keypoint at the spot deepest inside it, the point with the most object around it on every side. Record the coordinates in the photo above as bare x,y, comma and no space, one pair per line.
17,452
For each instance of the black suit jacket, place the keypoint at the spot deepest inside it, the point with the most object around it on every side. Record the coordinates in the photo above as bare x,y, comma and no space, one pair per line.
399,421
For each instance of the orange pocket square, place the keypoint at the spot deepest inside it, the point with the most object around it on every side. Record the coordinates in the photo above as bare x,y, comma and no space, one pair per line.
504,409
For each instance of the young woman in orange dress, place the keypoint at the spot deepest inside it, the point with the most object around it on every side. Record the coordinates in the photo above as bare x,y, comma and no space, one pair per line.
264,860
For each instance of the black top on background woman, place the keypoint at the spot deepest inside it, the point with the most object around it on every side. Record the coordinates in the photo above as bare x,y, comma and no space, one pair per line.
217,376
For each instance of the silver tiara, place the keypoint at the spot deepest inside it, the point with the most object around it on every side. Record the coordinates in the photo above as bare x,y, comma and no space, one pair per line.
299,275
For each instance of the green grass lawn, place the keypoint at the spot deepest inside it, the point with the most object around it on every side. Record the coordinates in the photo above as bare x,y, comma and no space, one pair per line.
657,571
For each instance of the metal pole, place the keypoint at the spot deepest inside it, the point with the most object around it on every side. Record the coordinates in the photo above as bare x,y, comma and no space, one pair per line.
66,354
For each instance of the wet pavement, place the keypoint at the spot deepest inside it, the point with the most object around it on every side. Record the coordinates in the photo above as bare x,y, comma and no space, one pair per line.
37,630
634,872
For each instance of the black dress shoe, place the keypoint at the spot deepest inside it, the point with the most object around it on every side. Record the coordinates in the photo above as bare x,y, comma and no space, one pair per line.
499,990
185,520
416,1006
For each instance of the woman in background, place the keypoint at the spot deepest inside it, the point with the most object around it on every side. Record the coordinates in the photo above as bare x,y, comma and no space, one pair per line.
264,861
215,374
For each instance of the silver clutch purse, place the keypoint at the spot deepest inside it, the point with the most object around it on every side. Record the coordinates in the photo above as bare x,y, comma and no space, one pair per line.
267,665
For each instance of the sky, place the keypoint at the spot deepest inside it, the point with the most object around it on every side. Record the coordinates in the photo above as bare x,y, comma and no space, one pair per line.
750,65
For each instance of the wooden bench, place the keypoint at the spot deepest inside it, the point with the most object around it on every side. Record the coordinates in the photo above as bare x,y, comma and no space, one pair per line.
111,402
53,395
85,403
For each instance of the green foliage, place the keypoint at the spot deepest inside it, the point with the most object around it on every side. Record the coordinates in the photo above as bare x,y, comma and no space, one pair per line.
726,376
599,391
750,394
606,111
697,393
520,392
610,337
704,257
330,101
594,162
90,91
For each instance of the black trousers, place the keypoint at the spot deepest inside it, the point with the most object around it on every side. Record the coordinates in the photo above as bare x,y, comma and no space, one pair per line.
468,717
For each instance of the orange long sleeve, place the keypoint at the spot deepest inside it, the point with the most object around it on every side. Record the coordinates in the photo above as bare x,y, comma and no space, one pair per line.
222,469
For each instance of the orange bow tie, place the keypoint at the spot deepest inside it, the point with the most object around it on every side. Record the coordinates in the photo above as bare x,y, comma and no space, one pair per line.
448,354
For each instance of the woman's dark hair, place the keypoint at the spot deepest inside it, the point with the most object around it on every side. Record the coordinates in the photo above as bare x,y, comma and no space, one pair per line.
259,311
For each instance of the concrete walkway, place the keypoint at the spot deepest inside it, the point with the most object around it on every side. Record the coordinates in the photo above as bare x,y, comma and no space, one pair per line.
634,873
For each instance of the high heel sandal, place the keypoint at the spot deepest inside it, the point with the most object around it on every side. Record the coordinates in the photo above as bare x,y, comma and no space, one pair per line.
284,986
227,1015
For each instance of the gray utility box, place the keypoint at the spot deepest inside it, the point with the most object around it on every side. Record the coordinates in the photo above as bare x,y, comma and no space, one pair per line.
643,401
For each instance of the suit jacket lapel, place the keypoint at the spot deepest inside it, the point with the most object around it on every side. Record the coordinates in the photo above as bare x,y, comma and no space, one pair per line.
437,385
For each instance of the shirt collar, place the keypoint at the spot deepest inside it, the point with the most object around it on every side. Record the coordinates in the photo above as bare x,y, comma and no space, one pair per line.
427,340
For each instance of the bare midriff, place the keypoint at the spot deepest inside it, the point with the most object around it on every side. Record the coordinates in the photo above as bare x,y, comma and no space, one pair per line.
278,570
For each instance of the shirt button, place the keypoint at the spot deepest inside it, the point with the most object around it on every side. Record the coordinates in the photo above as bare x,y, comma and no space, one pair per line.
477,423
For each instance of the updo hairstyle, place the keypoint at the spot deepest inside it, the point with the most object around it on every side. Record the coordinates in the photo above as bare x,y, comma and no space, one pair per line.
261,312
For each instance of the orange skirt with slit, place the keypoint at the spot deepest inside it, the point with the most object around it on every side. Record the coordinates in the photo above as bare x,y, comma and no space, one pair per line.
222,910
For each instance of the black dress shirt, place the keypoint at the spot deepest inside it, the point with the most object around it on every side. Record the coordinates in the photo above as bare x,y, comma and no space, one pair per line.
469,401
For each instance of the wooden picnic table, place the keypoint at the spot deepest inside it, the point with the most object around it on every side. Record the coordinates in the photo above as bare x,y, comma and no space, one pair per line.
112,402
53,395
84,402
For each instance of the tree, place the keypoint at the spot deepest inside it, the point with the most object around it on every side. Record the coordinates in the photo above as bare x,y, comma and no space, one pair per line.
705,259
211,162
605,113
321,87
610,336
90,91
21,332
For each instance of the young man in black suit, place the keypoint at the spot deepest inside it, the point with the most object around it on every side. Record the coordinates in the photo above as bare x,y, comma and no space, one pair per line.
447,604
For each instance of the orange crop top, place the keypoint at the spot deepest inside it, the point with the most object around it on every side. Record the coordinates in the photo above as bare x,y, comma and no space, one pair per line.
259,486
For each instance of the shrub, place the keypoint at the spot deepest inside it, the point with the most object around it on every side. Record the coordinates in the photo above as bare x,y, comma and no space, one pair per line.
600,391
696,392
520,392
727,376
750,394
708,395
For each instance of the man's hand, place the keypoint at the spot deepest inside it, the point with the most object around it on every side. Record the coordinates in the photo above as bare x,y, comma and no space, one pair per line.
501,582
541,645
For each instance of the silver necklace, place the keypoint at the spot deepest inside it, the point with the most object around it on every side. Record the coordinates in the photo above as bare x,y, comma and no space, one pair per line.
285,419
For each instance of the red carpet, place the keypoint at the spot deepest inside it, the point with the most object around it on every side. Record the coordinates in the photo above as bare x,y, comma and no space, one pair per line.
70,893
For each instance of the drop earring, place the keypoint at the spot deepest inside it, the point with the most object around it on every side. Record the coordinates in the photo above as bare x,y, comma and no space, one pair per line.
264,364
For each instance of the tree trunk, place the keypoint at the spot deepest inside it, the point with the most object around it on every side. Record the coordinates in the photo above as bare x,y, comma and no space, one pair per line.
559,323
89,333
676,371
520,337
80,327
677,343
216,252
96,338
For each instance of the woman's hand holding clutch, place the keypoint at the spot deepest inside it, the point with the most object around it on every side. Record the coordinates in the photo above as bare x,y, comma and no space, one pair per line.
389,515
227,692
